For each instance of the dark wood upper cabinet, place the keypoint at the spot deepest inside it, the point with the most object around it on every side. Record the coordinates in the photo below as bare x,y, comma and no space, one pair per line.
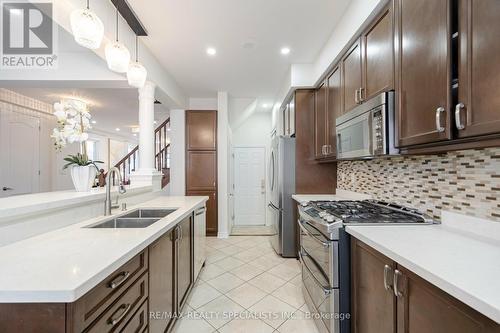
201,161
334,110
351,77
320,125
201,130
374,306
479,68
423,86
201,167
378,55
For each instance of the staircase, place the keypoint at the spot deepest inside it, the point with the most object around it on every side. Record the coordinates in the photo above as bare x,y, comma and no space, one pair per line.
130,162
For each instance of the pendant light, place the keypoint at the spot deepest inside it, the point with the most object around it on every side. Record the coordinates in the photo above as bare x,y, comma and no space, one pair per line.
136,73
117,55
87,28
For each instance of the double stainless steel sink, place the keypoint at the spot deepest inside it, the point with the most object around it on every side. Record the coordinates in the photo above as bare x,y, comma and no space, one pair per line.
138,218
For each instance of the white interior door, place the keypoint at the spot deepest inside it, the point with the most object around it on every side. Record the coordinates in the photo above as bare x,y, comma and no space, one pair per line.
250,186
20,152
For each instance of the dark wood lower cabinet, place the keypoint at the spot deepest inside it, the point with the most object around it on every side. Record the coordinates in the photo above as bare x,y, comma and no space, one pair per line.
161,278
211,210
420,307
374,306
184,259
145,294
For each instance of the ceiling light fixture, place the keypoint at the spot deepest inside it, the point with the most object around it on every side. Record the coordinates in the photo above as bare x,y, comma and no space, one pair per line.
136,74
265,105
285,50
117,129
94,122
87,28
211,51
117,55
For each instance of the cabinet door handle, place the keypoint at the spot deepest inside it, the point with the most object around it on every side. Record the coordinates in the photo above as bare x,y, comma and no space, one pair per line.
125,309
397,275
118,280
7,188
387,271
361,99
356,97
439,127
458,119
200,211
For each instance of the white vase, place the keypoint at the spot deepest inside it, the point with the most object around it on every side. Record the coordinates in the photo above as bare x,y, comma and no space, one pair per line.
83,177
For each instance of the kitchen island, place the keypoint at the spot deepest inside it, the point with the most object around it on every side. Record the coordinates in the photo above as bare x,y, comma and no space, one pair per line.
61,279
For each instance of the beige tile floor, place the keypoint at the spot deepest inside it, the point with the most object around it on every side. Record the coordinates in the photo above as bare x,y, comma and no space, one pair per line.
246,288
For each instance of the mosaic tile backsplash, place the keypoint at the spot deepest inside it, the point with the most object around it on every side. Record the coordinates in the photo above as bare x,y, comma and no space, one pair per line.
466,182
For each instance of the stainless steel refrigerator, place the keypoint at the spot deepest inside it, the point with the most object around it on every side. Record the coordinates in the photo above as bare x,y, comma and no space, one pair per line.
282,187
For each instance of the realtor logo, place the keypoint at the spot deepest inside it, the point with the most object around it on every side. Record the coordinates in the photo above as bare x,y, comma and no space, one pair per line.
28,34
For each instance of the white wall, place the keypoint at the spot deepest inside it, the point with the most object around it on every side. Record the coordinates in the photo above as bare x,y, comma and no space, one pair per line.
203,104
177,184
307,75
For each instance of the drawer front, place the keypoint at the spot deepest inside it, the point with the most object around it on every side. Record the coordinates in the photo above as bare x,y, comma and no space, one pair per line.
117,316
88,308
139,321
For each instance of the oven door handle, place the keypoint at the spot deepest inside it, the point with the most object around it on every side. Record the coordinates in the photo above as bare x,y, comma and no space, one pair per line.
326,291
325,244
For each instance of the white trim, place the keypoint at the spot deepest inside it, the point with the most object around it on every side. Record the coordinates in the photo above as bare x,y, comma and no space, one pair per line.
222,235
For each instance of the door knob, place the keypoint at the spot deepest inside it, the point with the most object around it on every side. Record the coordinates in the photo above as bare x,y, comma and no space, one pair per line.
7,189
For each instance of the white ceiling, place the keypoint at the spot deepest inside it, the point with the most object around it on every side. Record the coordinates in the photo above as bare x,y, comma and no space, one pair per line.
111,108
181,30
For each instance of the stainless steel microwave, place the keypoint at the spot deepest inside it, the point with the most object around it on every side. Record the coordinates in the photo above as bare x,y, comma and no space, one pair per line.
368,130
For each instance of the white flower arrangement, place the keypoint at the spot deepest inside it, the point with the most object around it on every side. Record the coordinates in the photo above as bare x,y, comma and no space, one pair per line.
73,120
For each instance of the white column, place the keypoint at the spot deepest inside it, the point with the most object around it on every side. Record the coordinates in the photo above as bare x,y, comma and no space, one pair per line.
146,127
147,173
222,163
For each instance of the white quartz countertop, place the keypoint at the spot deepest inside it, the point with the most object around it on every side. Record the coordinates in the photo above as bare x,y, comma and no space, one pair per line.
464,264
63,265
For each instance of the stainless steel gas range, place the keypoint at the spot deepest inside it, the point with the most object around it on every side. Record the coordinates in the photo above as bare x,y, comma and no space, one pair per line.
325,253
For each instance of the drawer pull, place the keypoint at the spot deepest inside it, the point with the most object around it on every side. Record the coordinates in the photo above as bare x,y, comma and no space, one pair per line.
117,281
125,309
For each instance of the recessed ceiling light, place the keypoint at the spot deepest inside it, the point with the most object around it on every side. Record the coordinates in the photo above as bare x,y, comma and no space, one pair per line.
117,129
168,129
94,122
155,122
211,51
285,50
134,134
265,105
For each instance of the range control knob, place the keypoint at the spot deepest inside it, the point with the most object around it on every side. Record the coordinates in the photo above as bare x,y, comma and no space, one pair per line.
329,219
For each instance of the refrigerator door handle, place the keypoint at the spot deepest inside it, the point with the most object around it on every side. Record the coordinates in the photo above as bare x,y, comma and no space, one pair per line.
271,205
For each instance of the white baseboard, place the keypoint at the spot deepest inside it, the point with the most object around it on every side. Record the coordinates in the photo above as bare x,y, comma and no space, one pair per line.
222,235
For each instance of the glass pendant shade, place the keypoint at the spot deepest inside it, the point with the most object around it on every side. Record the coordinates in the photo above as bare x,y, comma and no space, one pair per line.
136,75
117,57
87,28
